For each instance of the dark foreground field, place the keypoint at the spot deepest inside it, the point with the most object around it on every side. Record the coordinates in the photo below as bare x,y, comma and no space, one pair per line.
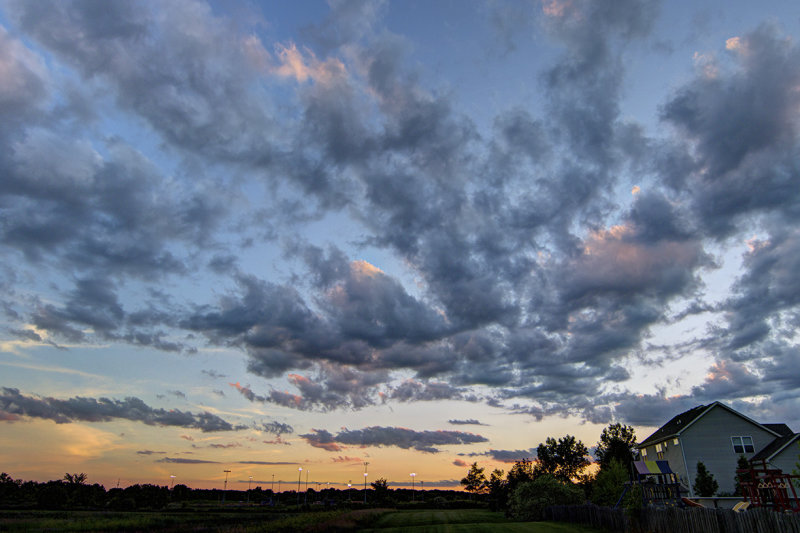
368,520
461,521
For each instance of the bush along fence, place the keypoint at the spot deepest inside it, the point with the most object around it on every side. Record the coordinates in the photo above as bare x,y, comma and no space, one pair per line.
676,520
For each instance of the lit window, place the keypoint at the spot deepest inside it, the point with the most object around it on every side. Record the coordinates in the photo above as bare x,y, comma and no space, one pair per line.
644,452
743,445
658,447
676,442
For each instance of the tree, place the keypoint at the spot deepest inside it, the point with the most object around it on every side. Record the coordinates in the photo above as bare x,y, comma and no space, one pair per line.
475,482
563,459
704,483
498,490
381,488
741,464
618,442
75,479
530,499
609,483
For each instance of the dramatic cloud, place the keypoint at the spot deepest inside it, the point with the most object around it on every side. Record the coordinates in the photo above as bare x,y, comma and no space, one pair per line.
506,456
469,421
181,460
423,441
276,428
104,409
363,232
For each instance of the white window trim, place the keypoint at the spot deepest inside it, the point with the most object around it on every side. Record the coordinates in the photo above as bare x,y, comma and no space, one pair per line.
744,441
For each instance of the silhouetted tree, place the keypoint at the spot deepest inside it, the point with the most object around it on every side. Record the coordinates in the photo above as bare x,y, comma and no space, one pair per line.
618,442
381,488
475,482
704,483
609,484
498,490
75,479
563,459
530,499
52,495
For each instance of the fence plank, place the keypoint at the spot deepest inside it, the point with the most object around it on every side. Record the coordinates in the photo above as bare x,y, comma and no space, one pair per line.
677,520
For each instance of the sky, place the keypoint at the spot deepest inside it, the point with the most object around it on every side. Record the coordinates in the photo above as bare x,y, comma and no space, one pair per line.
265,236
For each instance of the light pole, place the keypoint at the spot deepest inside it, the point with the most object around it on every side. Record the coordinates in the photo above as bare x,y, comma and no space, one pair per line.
249,482
350,490
422,490
413,475
305,496
225,487
299,474
365,482
172,482
272,485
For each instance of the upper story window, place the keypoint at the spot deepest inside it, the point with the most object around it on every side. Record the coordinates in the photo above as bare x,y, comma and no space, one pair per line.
743,445
644,452
660,450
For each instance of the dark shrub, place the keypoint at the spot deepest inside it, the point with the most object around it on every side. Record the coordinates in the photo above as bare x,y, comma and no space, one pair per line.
530,498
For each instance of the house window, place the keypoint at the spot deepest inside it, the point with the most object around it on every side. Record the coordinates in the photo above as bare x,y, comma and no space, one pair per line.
644,452
659,451
742,445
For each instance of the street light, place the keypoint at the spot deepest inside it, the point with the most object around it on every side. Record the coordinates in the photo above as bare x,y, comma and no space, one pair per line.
305,496
172,482
413,475
299,473
350,490
249,482
365,482
225,488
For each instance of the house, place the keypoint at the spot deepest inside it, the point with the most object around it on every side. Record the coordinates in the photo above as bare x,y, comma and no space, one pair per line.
717,436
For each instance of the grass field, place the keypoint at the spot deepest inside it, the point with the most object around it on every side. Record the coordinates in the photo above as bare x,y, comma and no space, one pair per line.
367,520
465,520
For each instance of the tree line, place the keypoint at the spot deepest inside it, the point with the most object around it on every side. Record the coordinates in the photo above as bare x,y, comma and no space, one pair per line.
559,475
74,491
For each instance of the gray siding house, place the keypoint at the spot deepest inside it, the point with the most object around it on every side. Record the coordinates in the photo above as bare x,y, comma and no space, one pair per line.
782,453
717,436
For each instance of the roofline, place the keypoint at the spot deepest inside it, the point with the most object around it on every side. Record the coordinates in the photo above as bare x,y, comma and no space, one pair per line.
701,415
779,450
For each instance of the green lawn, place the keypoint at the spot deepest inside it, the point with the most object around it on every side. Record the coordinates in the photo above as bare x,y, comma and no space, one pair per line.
466,520
269,521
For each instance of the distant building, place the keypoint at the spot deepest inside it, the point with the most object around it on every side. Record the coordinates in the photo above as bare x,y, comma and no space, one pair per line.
717,436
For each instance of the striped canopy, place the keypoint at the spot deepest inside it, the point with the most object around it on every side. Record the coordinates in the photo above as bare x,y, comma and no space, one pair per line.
652,467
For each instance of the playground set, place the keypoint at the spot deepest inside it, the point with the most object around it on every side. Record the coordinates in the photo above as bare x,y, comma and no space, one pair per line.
761,487
769,487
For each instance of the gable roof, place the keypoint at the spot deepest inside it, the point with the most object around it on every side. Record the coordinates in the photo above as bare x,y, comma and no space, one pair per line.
674,426
775,447
782,429
679,423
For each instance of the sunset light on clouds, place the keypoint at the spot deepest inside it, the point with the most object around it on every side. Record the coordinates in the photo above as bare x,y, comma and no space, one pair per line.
258,236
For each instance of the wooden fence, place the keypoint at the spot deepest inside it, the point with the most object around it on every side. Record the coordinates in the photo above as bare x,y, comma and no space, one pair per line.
676,520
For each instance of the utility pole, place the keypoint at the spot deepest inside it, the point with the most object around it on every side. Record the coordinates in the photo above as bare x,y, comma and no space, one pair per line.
299,474
225,487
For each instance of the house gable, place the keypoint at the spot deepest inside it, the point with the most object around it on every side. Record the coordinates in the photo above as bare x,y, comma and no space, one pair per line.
680,423
714,434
